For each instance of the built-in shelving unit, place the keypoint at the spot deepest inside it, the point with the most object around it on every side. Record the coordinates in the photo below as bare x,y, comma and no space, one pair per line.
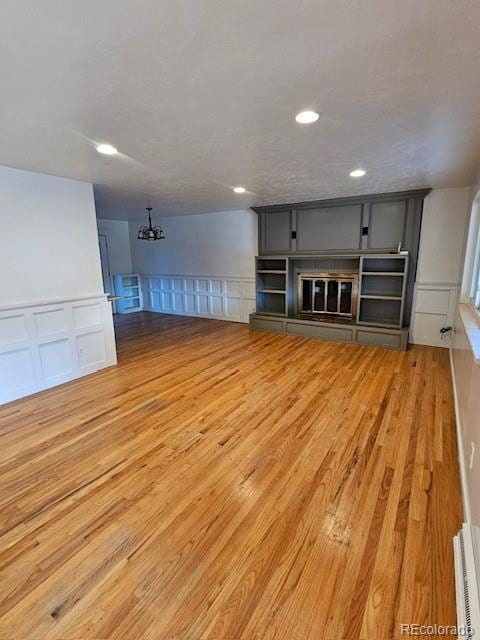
375,284
129,290
382,290
339,269
271,284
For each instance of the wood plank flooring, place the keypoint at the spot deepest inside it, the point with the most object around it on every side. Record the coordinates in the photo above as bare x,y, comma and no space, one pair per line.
226,484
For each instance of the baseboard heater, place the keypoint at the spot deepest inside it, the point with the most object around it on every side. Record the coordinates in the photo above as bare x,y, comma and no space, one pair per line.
466,547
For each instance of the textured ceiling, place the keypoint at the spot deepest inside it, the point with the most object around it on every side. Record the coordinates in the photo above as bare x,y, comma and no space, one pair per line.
200,95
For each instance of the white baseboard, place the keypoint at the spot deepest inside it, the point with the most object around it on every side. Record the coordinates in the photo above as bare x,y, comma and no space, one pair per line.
461,450
216,297
49,343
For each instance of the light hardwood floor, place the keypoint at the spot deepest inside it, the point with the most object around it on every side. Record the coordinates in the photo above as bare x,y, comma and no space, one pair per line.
221,483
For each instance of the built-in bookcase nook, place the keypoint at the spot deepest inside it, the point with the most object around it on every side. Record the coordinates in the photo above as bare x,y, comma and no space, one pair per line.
128,288
382,290
340,269
271,283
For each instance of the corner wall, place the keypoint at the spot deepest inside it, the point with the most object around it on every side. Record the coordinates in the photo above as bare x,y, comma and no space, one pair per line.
55,321
440,262
465,363
205,267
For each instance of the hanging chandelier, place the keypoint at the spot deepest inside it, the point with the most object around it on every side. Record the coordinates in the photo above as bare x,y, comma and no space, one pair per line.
150,232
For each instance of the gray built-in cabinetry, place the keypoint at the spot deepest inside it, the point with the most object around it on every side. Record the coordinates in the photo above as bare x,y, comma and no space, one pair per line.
346,235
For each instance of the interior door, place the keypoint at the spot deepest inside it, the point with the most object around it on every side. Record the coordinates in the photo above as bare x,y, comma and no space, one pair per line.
106,275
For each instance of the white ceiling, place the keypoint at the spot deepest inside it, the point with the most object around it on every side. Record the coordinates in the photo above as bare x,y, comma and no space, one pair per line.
200,95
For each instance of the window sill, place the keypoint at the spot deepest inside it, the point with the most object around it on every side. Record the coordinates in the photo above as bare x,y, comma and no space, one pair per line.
471,322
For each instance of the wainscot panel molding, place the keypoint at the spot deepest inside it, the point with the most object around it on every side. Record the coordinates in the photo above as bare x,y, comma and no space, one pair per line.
51,342
433,308
219,297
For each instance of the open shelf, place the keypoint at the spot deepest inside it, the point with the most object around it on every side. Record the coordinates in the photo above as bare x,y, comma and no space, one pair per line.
383,286
380,297
384,264
271,281
128,289
272,264
271,303
281,291
271,286
271,271
383,273
380,311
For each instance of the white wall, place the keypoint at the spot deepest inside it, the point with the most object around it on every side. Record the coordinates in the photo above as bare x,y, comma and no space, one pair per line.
118,241
48,240
465,360
207,244
440,263
204,267
55,321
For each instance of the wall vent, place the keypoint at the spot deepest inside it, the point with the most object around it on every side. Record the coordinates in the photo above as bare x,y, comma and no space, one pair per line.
466,551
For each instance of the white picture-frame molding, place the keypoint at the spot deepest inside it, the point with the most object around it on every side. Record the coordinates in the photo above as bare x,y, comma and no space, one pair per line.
205,296
47,343
433,308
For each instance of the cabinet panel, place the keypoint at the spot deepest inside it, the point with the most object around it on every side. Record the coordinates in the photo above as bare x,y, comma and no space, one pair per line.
276,232
329,228
387,224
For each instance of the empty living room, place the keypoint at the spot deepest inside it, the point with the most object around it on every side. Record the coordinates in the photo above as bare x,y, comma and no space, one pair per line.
239,320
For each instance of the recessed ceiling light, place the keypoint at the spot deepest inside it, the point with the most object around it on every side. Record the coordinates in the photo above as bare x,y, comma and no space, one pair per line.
358,173
239,189
106,149
307,117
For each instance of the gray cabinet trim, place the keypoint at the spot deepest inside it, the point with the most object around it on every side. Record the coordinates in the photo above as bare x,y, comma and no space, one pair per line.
353,333
375,197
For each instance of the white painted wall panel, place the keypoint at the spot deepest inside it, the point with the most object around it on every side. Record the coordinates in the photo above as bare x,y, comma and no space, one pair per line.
52,288
13,329
91,349
59,257
50,322
55,359
53,343
213,296
86,315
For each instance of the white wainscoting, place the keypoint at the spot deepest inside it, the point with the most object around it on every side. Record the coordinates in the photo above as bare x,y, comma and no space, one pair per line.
48,343
433,308
220,297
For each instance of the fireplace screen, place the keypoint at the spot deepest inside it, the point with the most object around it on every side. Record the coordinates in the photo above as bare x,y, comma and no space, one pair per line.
328,293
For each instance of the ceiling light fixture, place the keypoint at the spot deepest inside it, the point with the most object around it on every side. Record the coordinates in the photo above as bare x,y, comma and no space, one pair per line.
358,173
106,149
239,189
150,233
307,117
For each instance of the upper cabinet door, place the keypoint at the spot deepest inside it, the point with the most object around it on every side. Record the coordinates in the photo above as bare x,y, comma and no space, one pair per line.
329,228
387,224
276,231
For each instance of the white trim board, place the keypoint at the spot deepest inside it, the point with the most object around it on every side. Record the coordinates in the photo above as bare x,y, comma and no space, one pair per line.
461,451
229,298
53,342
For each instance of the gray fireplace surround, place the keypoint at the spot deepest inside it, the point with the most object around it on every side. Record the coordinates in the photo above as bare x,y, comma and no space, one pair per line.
339,270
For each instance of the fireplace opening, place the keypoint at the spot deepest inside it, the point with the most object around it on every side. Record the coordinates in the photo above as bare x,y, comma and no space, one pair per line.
328,295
